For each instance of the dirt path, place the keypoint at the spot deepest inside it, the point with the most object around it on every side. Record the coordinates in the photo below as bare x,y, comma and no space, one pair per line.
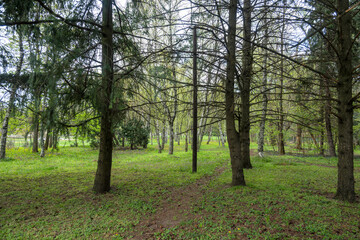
175,208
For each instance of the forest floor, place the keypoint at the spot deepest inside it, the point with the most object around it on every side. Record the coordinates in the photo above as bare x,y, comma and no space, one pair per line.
155,196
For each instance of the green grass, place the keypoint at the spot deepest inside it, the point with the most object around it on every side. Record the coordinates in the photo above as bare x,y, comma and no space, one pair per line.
285,198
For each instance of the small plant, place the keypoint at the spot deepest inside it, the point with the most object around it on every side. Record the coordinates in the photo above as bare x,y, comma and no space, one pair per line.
135,132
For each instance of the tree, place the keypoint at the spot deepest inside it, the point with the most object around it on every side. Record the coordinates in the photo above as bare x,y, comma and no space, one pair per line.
264,83
346,182
135,132
246,77
103,172
232,134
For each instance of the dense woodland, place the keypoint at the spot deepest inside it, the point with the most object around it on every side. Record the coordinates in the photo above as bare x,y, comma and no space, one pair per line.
116,73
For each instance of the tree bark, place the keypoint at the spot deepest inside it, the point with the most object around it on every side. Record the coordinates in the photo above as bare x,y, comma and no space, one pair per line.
327,118
42,142
195,105
55,139
245,91
103,173
222,140
264,88
157,132
345,186
322,151
26,139
47,139
163,137
232,135
51,138
210,133
35,146
298,137
281,144
171,136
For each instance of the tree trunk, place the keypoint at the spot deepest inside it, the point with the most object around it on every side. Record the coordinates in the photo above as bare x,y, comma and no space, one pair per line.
314,140
232,134
51,138
47,138
221,135
322,153
281,145
246,80
186,142
195,104
171,141
5,125
345,186
179,134
264,88
42,142
103,173
163,137
298,137
157,132
35,146
210,133
55,139
26,139
327,118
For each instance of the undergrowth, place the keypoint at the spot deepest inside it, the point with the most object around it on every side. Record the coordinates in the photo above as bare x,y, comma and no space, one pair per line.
287,197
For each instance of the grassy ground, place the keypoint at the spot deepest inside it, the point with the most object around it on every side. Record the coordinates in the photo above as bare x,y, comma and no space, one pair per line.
287,197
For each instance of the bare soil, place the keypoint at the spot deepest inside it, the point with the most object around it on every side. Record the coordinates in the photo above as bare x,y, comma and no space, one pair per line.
175,208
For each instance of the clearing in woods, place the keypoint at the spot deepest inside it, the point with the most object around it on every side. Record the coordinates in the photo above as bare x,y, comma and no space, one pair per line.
155,196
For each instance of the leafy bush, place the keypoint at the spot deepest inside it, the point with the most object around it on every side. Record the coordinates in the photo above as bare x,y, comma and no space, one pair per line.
135,132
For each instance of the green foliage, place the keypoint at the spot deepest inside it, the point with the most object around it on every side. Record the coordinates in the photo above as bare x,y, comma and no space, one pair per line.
135,132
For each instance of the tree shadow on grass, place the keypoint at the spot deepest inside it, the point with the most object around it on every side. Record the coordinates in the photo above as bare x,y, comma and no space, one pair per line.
7,160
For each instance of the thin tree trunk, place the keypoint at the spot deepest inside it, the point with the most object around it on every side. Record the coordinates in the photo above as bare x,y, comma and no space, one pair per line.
163,137
327,118
103,172
264,88
298,137
209,137
47,139
281,145
26,138
314,139
345,186
51,138
55,140
221,135
157,132
35,146
171,136
322,153
42,142
195,104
